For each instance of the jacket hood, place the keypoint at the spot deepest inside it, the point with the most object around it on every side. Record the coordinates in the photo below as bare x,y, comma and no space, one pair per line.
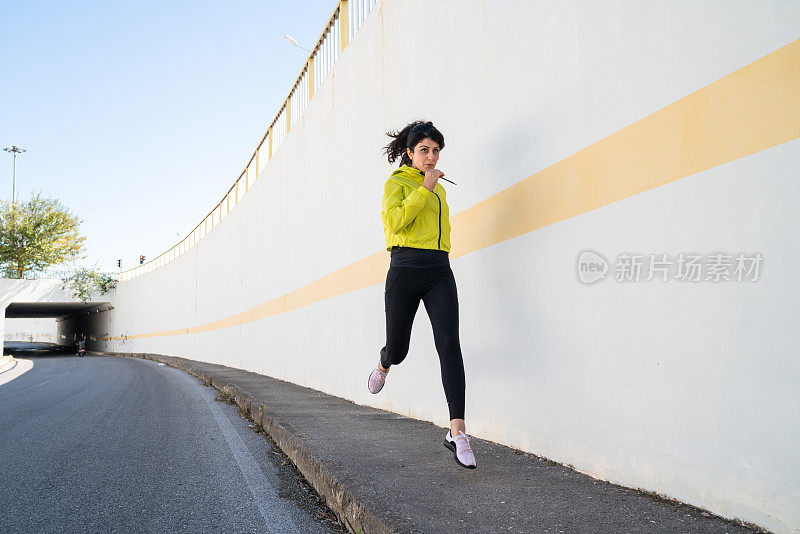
409,172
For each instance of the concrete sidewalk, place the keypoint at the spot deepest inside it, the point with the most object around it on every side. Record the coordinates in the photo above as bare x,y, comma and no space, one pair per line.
383,472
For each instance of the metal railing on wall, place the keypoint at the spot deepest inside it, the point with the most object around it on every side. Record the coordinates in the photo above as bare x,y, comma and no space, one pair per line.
60,274
342,25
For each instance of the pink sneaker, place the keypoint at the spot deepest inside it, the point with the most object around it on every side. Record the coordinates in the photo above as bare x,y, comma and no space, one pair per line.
376,380
461,449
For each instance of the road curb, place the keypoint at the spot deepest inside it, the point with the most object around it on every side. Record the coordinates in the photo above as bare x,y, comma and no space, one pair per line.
348,509
6,362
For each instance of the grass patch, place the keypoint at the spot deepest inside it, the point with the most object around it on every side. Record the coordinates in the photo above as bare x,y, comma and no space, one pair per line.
224,397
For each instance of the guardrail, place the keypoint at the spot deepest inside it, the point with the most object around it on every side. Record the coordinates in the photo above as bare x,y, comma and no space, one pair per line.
61,274
343,24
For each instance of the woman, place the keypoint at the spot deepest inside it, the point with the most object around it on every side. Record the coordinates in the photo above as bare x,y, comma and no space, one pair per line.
417,229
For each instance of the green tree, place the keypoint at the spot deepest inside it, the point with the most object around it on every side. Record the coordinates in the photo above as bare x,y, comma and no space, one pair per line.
37,234
85,281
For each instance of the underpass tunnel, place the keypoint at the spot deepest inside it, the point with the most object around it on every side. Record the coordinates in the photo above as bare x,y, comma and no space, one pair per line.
41,326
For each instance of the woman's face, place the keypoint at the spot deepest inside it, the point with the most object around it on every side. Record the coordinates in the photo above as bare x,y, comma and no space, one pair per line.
425,154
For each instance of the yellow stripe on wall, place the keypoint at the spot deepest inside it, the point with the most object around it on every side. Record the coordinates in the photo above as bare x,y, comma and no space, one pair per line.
749,110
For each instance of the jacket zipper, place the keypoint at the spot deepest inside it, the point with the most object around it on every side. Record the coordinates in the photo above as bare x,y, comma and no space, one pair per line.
439,243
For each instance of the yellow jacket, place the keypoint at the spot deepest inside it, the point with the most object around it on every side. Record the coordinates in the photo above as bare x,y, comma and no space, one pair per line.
413,216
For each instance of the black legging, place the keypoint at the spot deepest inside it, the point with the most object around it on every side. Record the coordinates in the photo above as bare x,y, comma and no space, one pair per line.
436,286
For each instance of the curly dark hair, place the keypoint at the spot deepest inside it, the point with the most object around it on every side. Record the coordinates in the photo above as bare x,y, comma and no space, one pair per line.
409,137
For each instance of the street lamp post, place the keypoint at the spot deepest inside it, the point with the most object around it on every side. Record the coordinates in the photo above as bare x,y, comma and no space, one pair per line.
294,42
14,150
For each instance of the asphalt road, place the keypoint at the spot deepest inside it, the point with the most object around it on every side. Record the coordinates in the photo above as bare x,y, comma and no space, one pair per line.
109,444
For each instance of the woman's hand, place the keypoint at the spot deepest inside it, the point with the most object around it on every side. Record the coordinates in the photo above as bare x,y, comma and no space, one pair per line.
431,177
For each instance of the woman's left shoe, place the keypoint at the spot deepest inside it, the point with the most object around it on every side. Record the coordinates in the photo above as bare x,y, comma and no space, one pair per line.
461,449
376,380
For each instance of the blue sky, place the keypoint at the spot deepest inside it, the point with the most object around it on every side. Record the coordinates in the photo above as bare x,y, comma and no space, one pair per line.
138,116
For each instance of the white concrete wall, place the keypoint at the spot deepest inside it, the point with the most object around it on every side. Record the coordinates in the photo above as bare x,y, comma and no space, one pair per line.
688,390
38,329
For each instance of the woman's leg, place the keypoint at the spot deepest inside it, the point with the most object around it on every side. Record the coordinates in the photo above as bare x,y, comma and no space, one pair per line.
441,303
401,296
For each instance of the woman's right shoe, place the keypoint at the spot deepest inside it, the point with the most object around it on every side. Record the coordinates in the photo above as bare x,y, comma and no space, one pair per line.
376,380
461,449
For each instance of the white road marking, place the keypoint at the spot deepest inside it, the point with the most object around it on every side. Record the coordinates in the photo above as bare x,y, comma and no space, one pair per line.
272,509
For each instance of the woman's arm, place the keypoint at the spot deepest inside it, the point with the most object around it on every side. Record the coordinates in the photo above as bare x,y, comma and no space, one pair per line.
400,210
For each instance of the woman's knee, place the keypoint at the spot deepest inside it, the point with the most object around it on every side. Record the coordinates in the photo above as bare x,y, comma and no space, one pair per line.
393,355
